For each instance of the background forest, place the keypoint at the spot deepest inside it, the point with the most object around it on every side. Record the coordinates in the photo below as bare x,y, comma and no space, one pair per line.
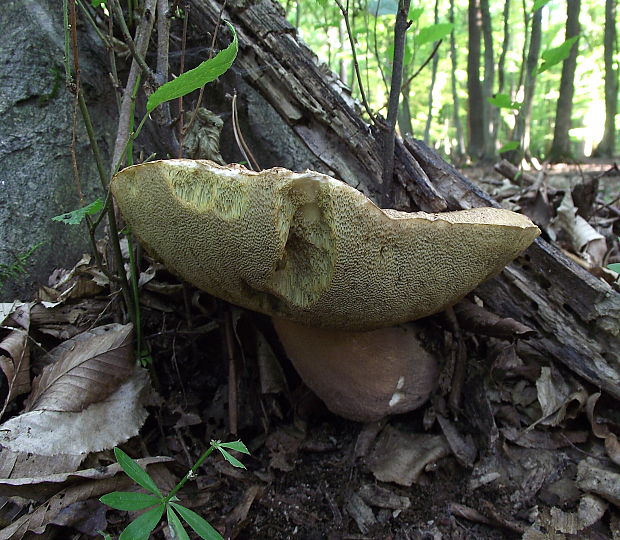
482,77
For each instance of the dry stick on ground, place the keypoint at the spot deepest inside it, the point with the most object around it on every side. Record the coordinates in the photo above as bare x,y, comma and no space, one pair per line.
389,137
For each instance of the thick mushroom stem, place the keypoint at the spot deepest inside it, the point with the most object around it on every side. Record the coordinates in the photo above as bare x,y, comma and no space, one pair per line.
362,376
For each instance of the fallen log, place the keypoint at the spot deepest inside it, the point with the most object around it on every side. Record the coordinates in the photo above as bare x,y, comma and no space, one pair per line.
576,316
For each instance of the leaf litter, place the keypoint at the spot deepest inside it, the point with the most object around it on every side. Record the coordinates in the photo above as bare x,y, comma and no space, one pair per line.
532,449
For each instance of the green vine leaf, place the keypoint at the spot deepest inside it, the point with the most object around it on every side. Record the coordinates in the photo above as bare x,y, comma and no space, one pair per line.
434,32
195,78
554,56
76,216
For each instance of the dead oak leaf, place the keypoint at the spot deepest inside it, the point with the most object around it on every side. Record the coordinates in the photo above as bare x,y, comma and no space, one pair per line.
87,369
15,354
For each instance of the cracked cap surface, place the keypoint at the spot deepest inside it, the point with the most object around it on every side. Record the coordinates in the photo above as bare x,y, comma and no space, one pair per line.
309,248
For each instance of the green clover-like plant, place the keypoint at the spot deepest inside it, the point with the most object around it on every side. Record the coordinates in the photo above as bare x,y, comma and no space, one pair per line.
156,503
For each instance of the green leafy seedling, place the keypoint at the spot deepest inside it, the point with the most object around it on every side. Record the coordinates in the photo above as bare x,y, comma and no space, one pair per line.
76,216
156,504
18,266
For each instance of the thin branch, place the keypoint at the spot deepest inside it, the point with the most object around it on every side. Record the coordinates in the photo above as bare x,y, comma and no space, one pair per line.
143,34
135,51
163,42
405,86
345,13
181,70
116,249
245,150
400,29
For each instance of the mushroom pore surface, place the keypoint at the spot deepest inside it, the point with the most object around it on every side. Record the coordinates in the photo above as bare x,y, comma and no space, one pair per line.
310,248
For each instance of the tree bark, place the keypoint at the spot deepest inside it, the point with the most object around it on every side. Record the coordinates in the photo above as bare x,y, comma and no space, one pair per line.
607,146
435,62
560,148
522,125
488,122
475,93
575,315
459,153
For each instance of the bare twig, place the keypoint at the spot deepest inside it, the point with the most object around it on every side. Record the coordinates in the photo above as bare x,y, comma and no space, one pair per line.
424,64
232,372
245,150
143,34
345,13
116,249
181,70
136,53
400,29
163,42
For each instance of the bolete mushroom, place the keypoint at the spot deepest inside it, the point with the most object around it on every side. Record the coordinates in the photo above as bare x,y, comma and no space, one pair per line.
362,376
309,249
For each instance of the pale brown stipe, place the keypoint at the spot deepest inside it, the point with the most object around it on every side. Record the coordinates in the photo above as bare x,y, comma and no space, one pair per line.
361,376
309,248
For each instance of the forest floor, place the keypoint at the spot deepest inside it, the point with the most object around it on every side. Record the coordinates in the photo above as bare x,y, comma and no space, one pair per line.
531,453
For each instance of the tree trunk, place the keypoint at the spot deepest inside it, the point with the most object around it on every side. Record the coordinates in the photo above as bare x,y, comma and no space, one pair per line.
501,64
607,146
575,315
459,153
522,125
474,87
435,62
501,70
560,148
488,122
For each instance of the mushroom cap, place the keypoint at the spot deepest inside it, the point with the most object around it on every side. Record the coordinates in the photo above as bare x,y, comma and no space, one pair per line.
362,376
310,248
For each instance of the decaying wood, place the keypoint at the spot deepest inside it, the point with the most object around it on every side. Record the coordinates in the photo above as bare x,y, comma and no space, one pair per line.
576,316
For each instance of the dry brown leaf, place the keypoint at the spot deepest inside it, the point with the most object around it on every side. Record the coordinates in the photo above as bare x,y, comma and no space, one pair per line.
37,486
17,465
462,446
594,477
48,512
101,426
543,439
602,431
272,378
478,320
402,457
64,321
88,368
591,509
15,362
558,399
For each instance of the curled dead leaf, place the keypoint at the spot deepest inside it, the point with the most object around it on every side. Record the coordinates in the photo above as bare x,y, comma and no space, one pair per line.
602,431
